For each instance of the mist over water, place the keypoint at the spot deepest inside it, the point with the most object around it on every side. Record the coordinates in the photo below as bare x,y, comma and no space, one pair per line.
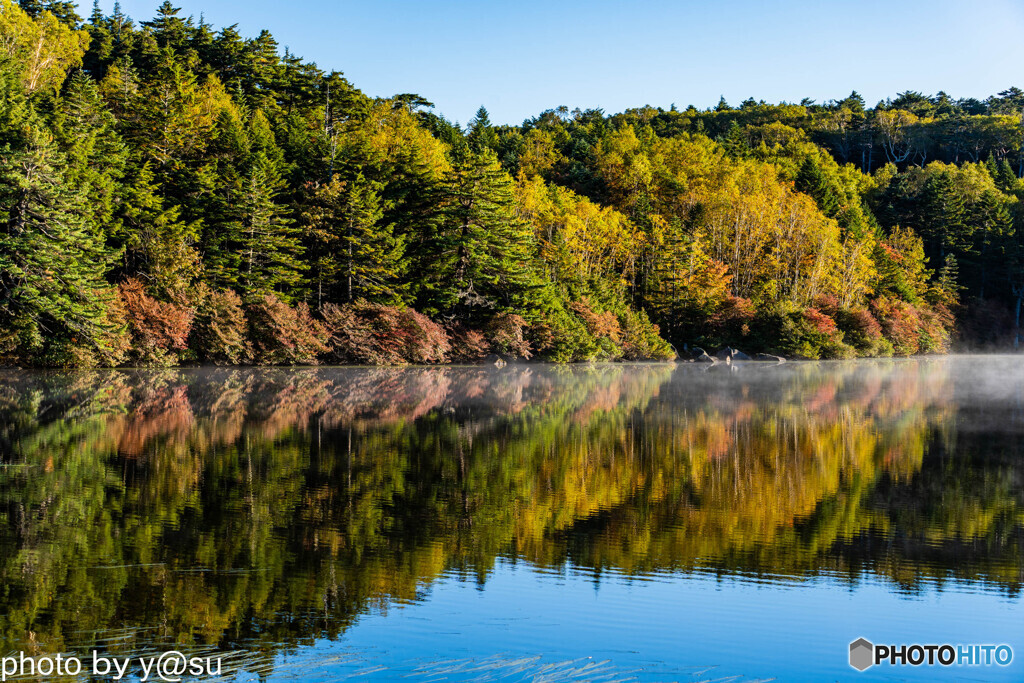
607,522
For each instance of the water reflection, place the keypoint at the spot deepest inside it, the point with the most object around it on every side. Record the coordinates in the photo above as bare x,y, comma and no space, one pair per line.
256,509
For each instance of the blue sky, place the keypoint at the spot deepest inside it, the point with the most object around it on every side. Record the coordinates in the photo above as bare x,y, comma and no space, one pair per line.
519,59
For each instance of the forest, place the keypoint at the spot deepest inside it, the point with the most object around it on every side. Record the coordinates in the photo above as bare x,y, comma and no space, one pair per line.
175,193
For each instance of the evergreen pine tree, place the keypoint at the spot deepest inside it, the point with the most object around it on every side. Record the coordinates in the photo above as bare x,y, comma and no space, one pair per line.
352,252
62,9
159,245
1006,179
481,135
942,217
993,222
735,141
812,180
101,42
33,8
170,30
267,243
96,156
480,255
52,261
948,283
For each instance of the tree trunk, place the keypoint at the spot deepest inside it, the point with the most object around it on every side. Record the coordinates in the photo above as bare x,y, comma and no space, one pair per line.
350,266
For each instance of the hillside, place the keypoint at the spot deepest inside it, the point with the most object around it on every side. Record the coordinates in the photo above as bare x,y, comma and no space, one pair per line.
171,193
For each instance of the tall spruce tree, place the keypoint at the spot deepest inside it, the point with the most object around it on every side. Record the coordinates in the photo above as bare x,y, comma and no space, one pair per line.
170,30
52,260
267,244
62,9
812,180
352,252
96,156
480,256
942,217
481,135
159,246
992,223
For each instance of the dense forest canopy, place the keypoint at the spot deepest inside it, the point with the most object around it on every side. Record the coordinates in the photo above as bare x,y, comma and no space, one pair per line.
172,192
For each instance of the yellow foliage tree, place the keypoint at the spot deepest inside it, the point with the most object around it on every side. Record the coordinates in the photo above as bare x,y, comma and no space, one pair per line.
579,239
44,47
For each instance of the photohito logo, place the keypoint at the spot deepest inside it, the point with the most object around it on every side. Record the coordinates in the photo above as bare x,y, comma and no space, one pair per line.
865,654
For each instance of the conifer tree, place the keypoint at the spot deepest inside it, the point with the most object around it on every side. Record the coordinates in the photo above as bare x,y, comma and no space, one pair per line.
942,216
353,253
481,254
481,135
33,8
170,30
159,246
993,224
1005,178
735,141
96,156
266,243
62,9
52,261
812,180
101,44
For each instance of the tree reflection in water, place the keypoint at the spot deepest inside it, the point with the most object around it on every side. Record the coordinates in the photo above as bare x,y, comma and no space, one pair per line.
261,509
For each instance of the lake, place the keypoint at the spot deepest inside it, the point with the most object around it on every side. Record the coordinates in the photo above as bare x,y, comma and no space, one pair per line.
541,523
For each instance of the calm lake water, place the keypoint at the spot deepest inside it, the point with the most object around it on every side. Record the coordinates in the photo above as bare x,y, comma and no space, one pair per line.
538,523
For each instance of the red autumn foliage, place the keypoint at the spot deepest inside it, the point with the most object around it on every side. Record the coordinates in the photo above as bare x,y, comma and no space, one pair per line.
892,253
427,342
507,334
733,318
866,324
282,335
542,337
157,327
598,324
219,333
900,324
467,345
821,323
374,334
862,330
827,304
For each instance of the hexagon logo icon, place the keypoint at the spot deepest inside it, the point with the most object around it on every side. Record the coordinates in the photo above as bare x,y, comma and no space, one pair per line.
862,654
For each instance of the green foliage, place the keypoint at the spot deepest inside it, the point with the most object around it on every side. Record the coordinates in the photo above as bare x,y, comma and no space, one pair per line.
159,246
479,255
640,338
52,262
353,254
259,249
200,165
